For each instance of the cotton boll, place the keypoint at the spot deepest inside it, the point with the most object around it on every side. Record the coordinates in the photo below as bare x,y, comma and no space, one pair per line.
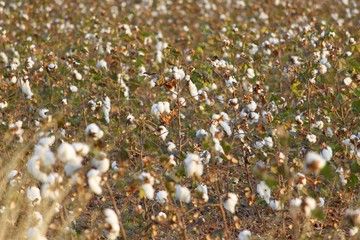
73,89
101,163
250,73
94,131
161,197
353,231
244,235
308,205
3,104
327,153
179,73
314,162
264,191
77,75
94,179
106,107
275,205
193,165
226,127
163,132
311,138
347,81
149,191
113,229
66,152
182,193
161,216
81,149
202,189
34,233
269,142
102,64
171,147
33,194
25,88
230,202
321,202
193,90
259,144
322,69
300,181
218,148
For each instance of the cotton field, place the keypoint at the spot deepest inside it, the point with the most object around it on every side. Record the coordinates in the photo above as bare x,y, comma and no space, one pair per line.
206,119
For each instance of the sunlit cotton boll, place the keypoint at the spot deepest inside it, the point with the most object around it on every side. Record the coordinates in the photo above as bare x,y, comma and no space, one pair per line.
25,88
314,162
171,147
101,163
252,106
230,202
147,184
33,194
244,235
94,179
161,197
308,205
163,132
264,191
182,193
275,205
66,152
311,138
193,90
193,165
250,73
327,153
202,189
106,107
94,131
102,64
113,229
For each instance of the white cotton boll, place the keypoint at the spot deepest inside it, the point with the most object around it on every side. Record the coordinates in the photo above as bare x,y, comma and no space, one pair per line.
244,235
264,191
347,81
66,152
114,166
94,131
35,233
226,127
318,125
259,144
25,88
166,107
161,197
193,90
201,133
161,216
205,156
298,120
47,141
81,149
34,169
16,129
329,132
250,73
46,156
73,89
171,161
77,75
268,142
171,147
202,189
275,205
193,165
314,162
182,102
300,181
149,191
321,202
111,218
102,165
311,138
253,118
182,193
94,179
3,104
11,177
72,166
163,132
327,153
218,147
102,64
308,204
353,231
106,107
240,134
33,194
230,202
322,69
179,73
295,202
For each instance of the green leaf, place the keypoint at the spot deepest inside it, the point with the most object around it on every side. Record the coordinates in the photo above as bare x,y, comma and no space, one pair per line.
328,172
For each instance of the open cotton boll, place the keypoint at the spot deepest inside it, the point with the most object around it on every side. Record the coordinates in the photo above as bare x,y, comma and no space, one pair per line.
217,146
33,194
311,138
314,162
226,127
193,165
81,149
33,165
49,189
202,189
193,90
77,75
244,235
149,191
308,205
275,205
251,106
161,197
268,142
25,88
94,131
264,191
106,107
102,64
73,89
66,152
34,233
230,202
72,166
46,156
16,129
163,132
171,147
327,153
179,73
101,163
113,229
259,144
182,193
94,179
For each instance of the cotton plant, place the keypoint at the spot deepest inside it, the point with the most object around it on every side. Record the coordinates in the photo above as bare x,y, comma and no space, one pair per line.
147,182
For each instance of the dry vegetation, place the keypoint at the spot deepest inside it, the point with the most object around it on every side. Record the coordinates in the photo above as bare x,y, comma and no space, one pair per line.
206,119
